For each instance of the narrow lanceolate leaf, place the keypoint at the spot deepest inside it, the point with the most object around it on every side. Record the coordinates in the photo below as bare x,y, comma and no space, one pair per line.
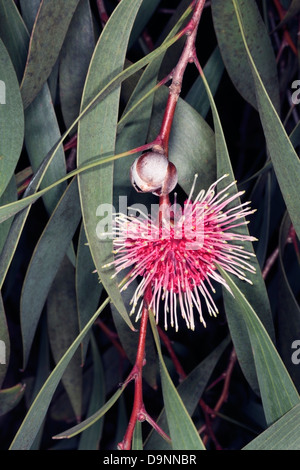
54,16
233,51
255,293
45,262
97,135
137,440
88,287
41,133
197,96
62,322
284,158
14,35
183,433
9,195
282,435
91,420
11,119
74,61
17,225
89,439
36,413
41,129
41,126
190,390
278,393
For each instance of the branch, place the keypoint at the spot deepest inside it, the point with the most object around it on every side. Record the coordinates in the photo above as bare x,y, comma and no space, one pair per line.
188,56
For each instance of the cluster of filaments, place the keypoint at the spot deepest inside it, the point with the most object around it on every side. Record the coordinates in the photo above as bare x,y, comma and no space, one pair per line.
178,256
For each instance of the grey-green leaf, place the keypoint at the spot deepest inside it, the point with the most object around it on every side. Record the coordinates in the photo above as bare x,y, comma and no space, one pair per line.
41,133
9,195
284,158
233,51
278,392
97,135
11,119
197,96
36,413
45,262
137,440
190,391
88,287
91,420
14,35
282,435
256,292
54,16
63,328
89,439
75,57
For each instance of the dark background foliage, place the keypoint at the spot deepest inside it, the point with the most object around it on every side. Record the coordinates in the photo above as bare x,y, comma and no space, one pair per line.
241,417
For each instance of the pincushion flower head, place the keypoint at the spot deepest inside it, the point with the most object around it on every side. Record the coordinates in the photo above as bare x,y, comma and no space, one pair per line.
177,254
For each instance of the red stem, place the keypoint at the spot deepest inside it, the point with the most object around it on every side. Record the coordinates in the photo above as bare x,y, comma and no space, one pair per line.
136,374
187,56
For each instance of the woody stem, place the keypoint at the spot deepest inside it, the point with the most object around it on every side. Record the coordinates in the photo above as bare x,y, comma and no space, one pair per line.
187,56
137,413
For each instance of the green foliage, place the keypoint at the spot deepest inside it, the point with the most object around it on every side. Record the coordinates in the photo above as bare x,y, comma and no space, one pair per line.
80,98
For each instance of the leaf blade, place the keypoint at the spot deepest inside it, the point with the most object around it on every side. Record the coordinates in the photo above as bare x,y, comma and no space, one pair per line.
44,48
259,296
96,188
233,53
61,305
284,158
278,392
11,119
33,420
282,435
45,262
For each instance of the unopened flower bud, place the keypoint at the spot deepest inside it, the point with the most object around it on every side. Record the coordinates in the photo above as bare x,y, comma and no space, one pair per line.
153,173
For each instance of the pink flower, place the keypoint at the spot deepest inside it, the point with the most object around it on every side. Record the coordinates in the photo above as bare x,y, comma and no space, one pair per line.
178,256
